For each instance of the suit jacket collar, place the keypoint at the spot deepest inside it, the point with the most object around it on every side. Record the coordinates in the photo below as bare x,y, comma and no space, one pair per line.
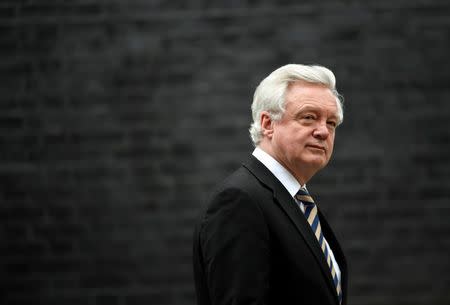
288,204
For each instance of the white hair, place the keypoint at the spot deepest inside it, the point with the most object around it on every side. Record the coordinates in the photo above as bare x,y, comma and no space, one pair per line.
270,94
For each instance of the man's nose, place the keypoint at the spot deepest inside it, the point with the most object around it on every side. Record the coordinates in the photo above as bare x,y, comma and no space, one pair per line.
321,131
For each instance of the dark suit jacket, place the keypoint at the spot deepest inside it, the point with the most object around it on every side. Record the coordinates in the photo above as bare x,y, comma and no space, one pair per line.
253,245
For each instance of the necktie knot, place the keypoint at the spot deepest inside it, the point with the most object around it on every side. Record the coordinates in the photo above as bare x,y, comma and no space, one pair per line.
303,196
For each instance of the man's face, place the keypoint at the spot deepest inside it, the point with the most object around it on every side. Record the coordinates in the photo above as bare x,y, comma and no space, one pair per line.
302,140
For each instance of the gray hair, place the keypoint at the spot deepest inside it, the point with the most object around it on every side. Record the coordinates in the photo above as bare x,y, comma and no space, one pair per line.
270,94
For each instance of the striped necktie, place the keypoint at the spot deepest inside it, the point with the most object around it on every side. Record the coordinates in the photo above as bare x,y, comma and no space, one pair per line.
313,219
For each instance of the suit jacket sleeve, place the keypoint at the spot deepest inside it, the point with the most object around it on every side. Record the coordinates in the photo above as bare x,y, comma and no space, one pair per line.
235,247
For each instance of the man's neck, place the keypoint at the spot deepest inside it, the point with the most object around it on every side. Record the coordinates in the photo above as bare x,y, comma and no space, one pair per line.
279,171
300,175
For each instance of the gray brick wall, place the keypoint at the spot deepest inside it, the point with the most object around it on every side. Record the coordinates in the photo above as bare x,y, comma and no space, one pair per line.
118,116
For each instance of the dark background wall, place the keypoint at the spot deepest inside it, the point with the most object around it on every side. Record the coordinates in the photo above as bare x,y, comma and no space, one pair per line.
117,117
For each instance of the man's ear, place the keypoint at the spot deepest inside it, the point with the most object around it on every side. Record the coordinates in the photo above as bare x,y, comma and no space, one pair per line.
266,124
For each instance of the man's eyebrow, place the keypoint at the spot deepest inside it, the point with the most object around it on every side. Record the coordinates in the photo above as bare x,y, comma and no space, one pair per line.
300,111
307,108
334,116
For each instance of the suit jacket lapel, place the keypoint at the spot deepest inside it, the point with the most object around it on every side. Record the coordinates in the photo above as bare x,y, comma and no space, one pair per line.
288,204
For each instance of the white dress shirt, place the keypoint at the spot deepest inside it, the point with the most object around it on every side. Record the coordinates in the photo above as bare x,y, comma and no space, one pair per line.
292,186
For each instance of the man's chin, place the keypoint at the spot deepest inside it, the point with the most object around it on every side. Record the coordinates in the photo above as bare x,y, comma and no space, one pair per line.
318,162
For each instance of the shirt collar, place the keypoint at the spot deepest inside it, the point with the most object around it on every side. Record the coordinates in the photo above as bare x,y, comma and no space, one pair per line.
281,173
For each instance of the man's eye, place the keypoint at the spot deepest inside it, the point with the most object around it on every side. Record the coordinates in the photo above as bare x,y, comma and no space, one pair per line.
332,123
309,117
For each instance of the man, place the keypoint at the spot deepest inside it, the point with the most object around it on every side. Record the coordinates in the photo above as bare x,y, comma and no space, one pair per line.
262,239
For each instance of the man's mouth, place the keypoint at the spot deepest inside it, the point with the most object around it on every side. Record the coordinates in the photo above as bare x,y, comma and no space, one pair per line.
317,147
